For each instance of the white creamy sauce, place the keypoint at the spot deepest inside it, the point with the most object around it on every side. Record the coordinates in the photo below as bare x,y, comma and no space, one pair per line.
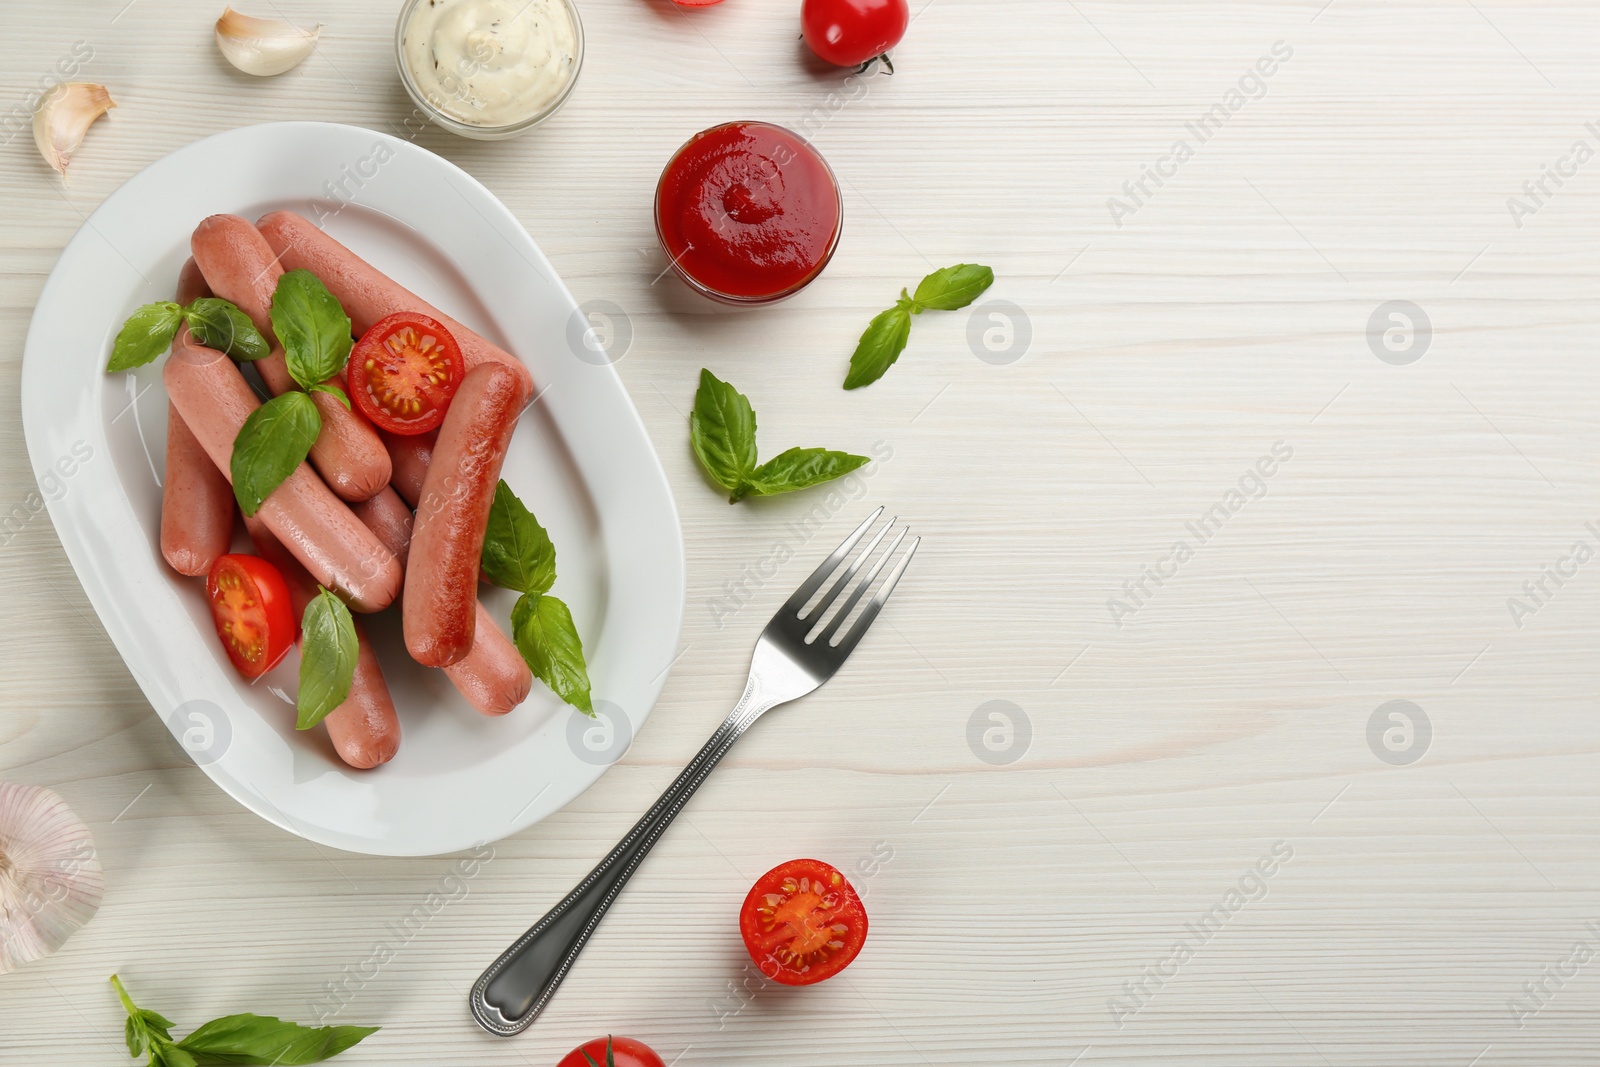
491,62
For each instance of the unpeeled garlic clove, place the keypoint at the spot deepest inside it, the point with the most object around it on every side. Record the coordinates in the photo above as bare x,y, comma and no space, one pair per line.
64,116
50,878
263,47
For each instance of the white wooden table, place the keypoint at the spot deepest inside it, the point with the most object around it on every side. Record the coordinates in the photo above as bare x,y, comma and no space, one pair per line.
1029,910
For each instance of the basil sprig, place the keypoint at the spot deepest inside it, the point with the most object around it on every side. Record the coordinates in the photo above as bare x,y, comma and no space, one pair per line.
274,440
327,658
313,330
722,432
518,554
233,1039
946,289
149,331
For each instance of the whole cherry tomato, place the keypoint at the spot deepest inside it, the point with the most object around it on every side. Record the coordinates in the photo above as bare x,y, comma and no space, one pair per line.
848,33
612,1052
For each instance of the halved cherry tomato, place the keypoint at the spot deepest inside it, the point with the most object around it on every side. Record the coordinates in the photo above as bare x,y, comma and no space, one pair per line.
802,922
250,605
612,1052
403,372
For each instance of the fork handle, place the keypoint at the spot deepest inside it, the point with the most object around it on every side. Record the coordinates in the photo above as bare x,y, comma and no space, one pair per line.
515,989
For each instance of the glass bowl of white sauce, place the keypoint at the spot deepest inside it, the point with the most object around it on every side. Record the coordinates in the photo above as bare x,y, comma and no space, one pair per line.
488,68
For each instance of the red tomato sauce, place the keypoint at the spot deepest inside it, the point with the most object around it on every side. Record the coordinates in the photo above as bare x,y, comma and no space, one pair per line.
748,212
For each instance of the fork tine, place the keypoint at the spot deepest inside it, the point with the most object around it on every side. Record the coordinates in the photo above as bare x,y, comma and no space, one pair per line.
860,590
875,605
828,566
816,614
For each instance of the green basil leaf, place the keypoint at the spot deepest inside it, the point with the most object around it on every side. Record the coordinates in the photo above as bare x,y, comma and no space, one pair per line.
147,333
722,431
328,655
517,552
549,641
880,345
333,391
143,1029
273,441
166,1054
217,324
262,1039
311,326
798,468
953,287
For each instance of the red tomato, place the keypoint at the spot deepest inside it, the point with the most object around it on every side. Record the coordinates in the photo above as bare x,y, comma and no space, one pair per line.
250,605
403,372
848,33
802,922
692,3
612,1052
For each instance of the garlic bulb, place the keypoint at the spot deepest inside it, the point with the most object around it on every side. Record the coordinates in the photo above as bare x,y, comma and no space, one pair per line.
263,46
64,116
50,877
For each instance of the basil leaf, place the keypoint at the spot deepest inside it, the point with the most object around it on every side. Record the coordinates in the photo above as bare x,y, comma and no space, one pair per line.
880,345
517,552
328,655
333,391
722,431
218,324
166,1054
273,441
954,287
144,1029
147,333
799,468
311,326
262,1039
549,641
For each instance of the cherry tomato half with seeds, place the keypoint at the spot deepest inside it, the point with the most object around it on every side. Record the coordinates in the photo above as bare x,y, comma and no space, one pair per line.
802,922
612,1052
403,372
848,33
250,606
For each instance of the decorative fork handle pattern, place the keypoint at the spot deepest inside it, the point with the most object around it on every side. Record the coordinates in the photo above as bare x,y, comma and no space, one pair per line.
515,989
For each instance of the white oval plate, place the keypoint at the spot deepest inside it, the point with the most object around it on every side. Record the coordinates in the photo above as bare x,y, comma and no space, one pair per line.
580,459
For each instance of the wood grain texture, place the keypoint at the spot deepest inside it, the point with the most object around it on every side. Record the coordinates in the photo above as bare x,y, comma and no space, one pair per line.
1228,713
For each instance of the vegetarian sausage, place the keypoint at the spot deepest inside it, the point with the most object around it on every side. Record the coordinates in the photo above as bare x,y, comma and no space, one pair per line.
365,729
493,676
313,524
196,502
241,267
366,292
440,612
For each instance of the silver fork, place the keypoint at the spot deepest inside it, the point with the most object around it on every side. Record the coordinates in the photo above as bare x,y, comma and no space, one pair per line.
798,651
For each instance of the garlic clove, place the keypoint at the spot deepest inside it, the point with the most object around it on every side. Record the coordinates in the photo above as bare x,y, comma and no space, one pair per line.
50,877
64,116
263,47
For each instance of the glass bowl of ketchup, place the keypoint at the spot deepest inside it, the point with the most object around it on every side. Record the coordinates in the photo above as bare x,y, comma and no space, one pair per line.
748,213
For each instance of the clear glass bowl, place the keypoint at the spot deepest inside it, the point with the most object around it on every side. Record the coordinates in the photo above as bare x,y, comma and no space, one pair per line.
439,117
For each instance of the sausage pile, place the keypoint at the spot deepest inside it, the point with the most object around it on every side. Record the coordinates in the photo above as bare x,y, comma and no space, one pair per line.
344,519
